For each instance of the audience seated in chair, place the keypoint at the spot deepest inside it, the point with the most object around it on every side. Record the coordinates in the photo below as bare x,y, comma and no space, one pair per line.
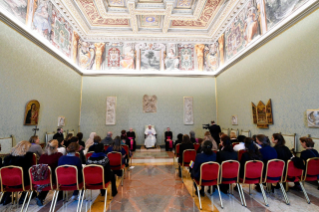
186,144
80,149
80,137
208,137
51,157
179,140
35,147
20,156
71,159
117,147
100,158
108,139
241,145
67,139
207,155
192,137
233,137
61,147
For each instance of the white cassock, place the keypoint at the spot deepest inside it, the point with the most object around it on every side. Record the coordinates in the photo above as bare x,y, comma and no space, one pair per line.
150,139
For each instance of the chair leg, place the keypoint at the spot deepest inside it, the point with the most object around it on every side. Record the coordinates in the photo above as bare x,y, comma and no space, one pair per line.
200,201
193,189
249,189
263,193
239,192
12,198
56,199
105,200
211,190
1,196
52,202
91,196
123,172
27,206
220,197
83,195
284,193
287,186
77,208
242,193
304,192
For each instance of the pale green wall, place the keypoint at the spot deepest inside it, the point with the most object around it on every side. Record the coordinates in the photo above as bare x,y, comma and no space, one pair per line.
130,91
285,70
27,72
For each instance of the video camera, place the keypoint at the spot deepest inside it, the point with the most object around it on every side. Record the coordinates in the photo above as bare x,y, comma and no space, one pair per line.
206,126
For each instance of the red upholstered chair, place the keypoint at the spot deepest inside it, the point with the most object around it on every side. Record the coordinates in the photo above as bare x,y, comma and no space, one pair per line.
177,153
34,184
312,170
11,177
127,150
106,147
215,151
93,178
188,156
294,174
116,162
234,144
89,154
230,174
196,146
34,159
77,154
253,175
240,153
67,180
209,176
274,174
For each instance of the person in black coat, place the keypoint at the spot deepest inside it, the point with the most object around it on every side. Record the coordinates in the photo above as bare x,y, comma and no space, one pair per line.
186,144
179,140
168,140
267,152
131,135
309,152
80,137
226,153
214,130
59,134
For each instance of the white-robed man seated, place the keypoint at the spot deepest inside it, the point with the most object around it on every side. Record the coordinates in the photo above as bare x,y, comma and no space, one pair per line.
150,137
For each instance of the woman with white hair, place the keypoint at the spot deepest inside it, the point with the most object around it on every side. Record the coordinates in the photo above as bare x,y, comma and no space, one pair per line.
89,142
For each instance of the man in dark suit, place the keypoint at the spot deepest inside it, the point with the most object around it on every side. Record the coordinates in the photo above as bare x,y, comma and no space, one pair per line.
214,130
59,134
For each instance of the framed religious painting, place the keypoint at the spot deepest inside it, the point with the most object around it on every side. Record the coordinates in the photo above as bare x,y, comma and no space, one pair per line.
254,112
234,120
313,118
111,110
31,116
188,110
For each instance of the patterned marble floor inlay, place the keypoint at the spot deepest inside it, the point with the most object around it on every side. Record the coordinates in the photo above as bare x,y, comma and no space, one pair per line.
146,154
153,188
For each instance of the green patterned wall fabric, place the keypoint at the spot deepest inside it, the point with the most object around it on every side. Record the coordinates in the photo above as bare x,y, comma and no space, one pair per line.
284,70
129,110
28,72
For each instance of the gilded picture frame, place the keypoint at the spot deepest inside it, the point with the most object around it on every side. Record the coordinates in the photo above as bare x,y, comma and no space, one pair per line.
31,115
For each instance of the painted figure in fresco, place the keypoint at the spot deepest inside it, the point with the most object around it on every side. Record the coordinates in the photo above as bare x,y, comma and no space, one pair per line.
75,42
86,55
171,61
127,61
221,49
32,116
17,7
200,55
251,25
98,54
41,20
212,57
186,58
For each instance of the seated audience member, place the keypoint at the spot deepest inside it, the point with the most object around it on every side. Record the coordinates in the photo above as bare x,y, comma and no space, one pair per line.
80,137
96,140
241,145
124,139
108,139
192,137
255,141
100,158
51,157
251,154
117,147
67,140
207,155
80,149
131,135
179,139
186,144
61,147
208,137
20,156
168,139
200,142
233,137
89,142
35,147
59,134
226,153
309,152
71,159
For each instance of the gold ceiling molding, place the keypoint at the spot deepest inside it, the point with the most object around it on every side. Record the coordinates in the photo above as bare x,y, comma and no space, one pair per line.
105,14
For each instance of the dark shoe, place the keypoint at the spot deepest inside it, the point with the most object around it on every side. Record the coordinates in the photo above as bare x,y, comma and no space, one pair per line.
6,198
114,194
296,187
257,188
21,200
39,202
236,188
202,193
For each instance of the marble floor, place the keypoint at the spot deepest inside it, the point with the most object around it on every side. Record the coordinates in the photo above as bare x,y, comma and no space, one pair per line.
155,186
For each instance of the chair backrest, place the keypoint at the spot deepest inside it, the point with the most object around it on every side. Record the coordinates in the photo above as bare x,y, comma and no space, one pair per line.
106,147
215,151
235,143
209,174
293,174
126,149
41,182
66,175
177,153
240,153
77,154
115,160
274,171
229,172
188,156
196,146
11,176
312,169
93,175
253,172
34,159
89,154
